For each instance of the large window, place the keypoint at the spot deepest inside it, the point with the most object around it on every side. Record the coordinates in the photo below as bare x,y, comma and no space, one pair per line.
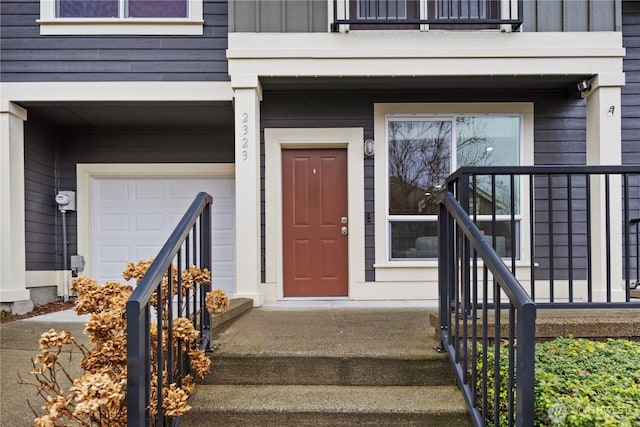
423,151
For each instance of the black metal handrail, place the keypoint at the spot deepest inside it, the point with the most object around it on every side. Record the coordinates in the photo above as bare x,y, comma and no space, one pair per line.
466,340
635,224
484,306
189,244
560,219
453,13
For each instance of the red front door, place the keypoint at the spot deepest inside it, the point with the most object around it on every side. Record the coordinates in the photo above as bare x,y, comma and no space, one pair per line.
314,213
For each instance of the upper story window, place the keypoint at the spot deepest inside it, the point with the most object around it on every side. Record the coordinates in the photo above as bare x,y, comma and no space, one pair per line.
121,9
426,14
114,17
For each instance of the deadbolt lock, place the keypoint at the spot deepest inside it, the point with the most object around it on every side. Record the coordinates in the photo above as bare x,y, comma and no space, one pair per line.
343,220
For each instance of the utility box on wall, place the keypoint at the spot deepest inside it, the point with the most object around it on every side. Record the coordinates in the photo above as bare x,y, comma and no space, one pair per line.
66,200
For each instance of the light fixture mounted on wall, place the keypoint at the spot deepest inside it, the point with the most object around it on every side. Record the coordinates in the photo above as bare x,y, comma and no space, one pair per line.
369,147
584,86
612,109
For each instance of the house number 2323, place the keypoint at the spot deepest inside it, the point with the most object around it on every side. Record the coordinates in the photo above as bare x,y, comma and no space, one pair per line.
244,138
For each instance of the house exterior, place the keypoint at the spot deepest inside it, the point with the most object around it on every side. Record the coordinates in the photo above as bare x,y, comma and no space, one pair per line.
322,128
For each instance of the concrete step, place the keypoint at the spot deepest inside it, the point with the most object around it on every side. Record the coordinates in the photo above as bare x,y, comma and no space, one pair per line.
354,348
297,405
329,370
237,307
328,367
581,323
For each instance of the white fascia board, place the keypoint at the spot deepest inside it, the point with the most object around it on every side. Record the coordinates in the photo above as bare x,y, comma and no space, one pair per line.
115,91
425,53
424,44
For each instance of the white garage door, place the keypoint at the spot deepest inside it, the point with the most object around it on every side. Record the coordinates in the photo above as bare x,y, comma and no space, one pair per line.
133,217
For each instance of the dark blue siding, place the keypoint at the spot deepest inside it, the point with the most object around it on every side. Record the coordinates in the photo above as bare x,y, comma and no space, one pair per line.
631,91
41,215
28,56
559,132
52,154
631,110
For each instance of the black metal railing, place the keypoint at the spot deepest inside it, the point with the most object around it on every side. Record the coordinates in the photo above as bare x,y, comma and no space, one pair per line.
516,239
465,327
439,14
634,249
159,298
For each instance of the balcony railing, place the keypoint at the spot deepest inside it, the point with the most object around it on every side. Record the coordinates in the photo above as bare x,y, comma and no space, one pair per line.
505,15
572,243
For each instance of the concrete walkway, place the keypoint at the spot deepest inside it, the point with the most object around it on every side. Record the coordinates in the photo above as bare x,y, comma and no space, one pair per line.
19,339
18,345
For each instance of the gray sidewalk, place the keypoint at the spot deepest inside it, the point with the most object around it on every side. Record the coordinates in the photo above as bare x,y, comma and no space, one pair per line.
18,345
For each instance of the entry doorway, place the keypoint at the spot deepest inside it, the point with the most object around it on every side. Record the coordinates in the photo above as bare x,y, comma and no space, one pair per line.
315,223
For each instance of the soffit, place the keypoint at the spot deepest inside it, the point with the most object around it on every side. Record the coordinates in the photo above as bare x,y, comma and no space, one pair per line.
133,114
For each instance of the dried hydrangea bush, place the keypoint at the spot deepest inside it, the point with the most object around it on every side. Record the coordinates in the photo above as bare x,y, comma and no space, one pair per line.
98,398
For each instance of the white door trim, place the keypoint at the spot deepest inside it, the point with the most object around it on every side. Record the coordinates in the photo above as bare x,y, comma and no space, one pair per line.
86,172
275,141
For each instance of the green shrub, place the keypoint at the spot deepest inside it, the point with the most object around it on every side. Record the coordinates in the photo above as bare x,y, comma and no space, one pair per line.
580,383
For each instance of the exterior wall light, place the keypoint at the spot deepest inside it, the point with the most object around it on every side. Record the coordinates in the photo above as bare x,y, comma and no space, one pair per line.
584,86
612,109
369,147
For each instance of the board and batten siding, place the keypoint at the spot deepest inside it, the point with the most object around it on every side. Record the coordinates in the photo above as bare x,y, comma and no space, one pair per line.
631,113
559,134
27,56
306,16
631,89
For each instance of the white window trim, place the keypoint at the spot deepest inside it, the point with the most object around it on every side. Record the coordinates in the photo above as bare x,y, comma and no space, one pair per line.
50,25
454,166
393,269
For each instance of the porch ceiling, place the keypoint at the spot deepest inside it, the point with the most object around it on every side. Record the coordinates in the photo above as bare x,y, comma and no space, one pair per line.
133,114
567,82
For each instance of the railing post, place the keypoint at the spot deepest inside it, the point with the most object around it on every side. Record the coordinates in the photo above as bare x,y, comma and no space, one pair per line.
525,365
137,361
465,255
444,261
205,257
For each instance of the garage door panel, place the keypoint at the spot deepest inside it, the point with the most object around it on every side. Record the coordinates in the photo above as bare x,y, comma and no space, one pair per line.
113,222
147,190
109,190
133,217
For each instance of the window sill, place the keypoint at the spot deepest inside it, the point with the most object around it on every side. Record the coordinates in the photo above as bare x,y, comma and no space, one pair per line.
407,264
147,26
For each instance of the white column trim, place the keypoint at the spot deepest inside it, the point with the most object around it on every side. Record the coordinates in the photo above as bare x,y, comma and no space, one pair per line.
247,95
12,215
604,147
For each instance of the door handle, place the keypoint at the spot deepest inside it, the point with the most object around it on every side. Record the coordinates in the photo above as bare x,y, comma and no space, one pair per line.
344,231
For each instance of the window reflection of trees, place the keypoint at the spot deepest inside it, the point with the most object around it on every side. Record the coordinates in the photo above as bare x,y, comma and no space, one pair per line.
476,148
419,160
